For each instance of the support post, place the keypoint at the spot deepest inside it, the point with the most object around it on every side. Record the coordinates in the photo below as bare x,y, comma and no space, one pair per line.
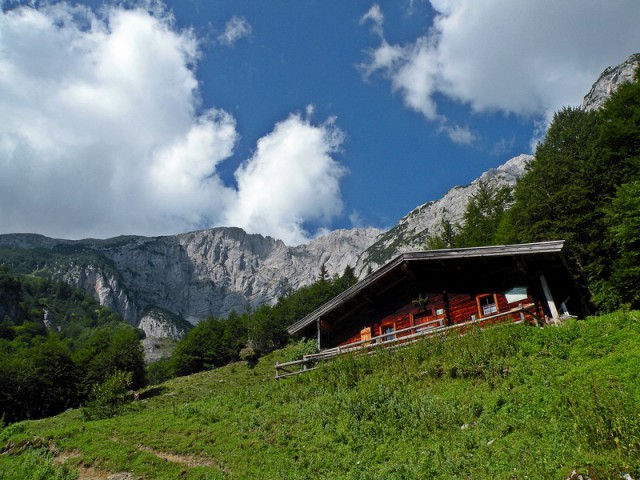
318,328
445,299
547,294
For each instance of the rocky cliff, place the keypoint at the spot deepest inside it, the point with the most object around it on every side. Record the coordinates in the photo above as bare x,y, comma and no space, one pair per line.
155,282
609,81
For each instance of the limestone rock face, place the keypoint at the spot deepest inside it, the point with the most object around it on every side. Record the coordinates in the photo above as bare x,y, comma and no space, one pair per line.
609,81
156,283
104,287
158,323
426,220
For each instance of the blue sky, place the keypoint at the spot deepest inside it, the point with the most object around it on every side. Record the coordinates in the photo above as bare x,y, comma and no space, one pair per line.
288,119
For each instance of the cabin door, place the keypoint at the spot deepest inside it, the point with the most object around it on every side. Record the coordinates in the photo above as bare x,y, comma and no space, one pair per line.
365,334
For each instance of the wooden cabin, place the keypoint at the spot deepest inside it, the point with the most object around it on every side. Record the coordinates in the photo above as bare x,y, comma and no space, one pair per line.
418,291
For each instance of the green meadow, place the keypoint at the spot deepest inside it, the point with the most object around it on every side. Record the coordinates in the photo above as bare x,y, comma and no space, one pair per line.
512,402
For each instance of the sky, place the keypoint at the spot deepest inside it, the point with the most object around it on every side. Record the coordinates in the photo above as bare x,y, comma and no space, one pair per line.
285,118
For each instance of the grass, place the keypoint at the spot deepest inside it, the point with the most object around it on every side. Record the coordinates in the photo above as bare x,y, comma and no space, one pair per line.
512,402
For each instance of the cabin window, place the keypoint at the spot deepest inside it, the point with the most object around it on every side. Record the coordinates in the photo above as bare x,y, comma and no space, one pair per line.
387,331
516,294
487,305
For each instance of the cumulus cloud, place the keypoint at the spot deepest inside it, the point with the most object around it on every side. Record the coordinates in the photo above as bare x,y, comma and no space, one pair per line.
101,134
235,29
291,179
517,57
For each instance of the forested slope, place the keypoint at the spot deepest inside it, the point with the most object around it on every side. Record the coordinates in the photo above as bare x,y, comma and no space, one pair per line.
56,344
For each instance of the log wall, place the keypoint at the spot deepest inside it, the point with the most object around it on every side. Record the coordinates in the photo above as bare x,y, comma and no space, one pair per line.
456,308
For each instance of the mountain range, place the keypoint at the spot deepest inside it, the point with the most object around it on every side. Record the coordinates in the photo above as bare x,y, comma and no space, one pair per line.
165,284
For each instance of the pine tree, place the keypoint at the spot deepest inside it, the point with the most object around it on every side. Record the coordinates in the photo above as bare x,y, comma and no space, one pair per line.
483,215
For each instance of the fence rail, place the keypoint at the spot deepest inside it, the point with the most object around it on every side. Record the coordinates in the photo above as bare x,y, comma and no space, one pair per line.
429,329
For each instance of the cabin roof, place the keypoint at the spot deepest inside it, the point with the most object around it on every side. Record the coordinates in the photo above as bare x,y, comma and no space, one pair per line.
439,263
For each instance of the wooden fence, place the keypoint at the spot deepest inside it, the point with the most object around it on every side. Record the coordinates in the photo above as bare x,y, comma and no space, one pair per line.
403,337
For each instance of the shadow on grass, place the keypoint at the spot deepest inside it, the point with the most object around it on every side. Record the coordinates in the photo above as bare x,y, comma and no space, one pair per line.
152,392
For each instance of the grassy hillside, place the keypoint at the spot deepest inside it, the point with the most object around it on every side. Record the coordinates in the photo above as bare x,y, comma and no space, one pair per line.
512,402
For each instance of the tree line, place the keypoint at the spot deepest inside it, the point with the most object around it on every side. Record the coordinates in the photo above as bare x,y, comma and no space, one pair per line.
583,186
47,368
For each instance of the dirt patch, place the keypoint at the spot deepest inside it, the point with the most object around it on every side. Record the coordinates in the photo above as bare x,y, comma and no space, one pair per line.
62,457
186,460
91,473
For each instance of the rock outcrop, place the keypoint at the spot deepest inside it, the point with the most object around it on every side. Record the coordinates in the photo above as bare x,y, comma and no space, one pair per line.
103,285
609,81
159,323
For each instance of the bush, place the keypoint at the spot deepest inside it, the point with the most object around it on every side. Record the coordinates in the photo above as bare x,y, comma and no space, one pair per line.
108,398
249,355
305,346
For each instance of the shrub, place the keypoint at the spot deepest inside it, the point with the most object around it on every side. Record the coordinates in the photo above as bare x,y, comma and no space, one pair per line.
305,346
108,398
249,355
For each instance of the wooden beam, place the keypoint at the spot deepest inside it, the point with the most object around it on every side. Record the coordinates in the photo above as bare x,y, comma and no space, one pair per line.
445,299
547,294
367,299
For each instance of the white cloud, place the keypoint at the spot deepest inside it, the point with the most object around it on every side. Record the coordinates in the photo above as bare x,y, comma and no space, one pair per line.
101,134
375,16
416,77
235,29
458,134
291,179
386,58
517,56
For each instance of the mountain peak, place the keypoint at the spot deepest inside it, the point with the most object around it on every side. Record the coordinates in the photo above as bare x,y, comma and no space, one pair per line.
609,81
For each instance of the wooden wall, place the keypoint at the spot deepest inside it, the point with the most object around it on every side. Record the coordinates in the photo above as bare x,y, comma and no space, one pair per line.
451,308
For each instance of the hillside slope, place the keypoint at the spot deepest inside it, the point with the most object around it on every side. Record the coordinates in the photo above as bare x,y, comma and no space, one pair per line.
513,402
